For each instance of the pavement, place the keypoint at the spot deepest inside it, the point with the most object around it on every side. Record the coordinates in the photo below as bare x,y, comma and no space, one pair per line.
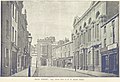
45,71
94,73
24,73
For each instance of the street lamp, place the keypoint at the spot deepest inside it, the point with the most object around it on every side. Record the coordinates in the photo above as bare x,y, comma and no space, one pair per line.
29,65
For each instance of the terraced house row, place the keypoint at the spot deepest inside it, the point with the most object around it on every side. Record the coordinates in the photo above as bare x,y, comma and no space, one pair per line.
14,55
95,41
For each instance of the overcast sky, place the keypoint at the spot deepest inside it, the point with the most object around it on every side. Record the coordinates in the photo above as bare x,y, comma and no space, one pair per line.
53,18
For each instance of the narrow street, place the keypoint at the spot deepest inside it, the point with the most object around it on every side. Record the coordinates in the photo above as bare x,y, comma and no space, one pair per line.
45,71
52,38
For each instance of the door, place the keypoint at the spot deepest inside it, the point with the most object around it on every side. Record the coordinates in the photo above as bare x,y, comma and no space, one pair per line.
105,63
14,62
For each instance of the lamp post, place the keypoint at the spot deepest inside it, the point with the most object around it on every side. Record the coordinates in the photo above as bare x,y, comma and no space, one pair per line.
29,65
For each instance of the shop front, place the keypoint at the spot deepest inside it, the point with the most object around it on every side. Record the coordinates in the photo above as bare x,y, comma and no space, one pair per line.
110,60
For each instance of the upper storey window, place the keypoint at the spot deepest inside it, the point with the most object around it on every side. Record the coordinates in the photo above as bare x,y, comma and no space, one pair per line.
97,14
84,24
89,21
80,28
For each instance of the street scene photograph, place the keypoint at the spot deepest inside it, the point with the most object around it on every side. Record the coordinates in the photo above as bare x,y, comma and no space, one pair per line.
59,38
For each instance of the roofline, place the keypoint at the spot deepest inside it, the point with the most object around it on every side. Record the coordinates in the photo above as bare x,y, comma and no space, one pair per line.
110,19
86,12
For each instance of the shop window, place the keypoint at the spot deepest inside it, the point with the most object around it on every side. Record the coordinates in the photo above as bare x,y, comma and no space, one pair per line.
107,62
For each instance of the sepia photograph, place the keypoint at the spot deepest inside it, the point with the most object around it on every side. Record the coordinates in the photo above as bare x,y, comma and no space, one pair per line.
59,38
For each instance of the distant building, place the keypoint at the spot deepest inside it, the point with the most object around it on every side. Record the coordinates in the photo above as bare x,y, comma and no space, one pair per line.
87,37
44,51
63,54
34,55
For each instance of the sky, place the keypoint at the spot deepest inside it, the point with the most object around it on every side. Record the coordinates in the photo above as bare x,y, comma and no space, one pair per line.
53,18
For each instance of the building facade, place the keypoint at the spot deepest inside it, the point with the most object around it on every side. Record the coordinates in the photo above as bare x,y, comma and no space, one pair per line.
110,42
11,36
86,35
34,55
63,55
6,23
44,51
23,44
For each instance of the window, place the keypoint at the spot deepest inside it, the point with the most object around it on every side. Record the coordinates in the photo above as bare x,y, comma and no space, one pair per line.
84,24
13,11
89,58
97,14
18,61
12,33
76,32
6,57
89,34
113,30
89,21
104,29
84,38
80,39
7,28
97,31
80,28
105,42
107,62
97,57
15,37
13,8
69,54
16,14
93,32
